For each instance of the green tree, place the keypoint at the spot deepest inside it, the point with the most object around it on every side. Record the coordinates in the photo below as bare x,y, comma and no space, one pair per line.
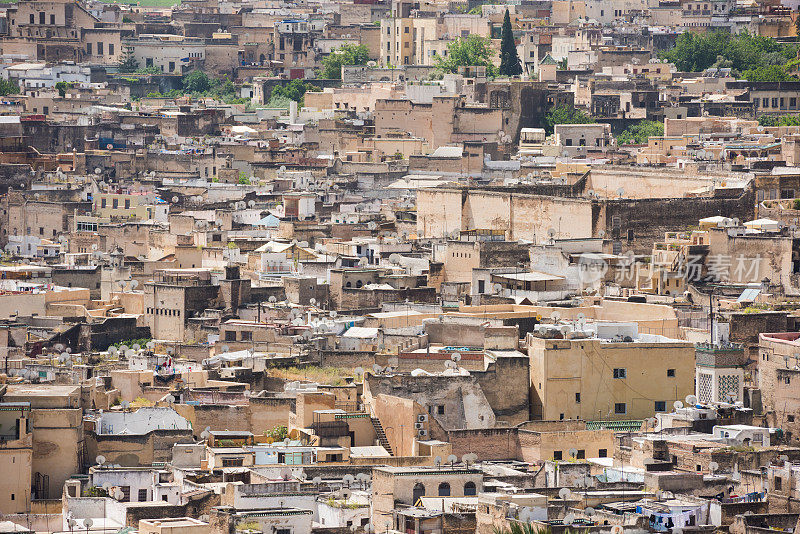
768,73
345,55
196,81
7,87
565,115
470,52
779,120
128,63
62,87
509,60
695,52
294,90
639,133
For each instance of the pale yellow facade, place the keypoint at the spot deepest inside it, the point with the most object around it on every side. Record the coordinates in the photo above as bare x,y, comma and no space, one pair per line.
575,378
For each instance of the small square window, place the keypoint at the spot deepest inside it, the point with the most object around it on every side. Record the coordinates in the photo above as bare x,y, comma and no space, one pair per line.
620,408
602,453
557,455
620,372
578,398
661,406
670,373
440,409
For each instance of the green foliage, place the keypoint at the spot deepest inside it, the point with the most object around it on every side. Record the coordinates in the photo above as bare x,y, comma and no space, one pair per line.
196,81
128,63
509,60
565,115
149,70
62,87
7,87
243,179
639,133
96,491
796,204
473,51
768,73
278,433
347,54
294,90
695,52
779,120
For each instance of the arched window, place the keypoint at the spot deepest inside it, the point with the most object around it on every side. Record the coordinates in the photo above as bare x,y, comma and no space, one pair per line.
348,284
470,489
444,489
419,491
359,283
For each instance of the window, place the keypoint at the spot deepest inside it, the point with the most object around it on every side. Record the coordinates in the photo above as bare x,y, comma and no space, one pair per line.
778,483
578,398
115,203
440,409
620,408
247,335
765,102
41,17
110,49
88,46
171,66
419,491
790,418
470,489
602,453
52,19
581,454
557,455
444,489
661,406
232,462
230,335
32,19
670,373
142,495
126,494
99,48
127,203
148,62
620,372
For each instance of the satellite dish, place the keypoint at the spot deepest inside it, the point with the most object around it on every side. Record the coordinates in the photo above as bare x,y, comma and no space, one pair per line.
100,460
456,357
377,369
452,459
225,348
88,521
573,453
691,399
677,405
555,316
569,518
437,461
317,480
564,493
713,466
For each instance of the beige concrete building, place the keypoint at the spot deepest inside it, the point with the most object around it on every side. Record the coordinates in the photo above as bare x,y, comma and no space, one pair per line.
608,371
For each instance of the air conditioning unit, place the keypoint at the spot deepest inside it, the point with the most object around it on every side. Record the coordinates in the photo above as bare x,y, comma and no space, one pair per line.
422,418
419,426
422,433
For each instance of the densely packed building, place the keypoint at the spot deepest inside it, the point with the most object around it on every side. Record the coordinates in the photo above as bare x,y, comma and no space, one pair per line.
398,266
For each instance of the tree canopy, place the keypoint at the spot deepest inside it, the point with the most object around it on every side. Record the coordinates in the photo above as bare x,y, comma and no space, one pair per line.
347,54
196,81
695,52
128,63
779,120
472,51
639,133
509,60
7,87
565,115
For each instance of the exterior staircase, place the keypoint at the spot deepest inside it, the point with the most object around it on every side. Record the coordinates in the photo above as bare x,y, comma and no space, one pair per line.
376,424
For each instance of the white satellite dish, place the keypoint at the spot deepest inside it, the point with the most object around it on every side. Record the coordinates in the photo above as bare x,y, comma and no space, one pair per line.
677,405
691,399
100,459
